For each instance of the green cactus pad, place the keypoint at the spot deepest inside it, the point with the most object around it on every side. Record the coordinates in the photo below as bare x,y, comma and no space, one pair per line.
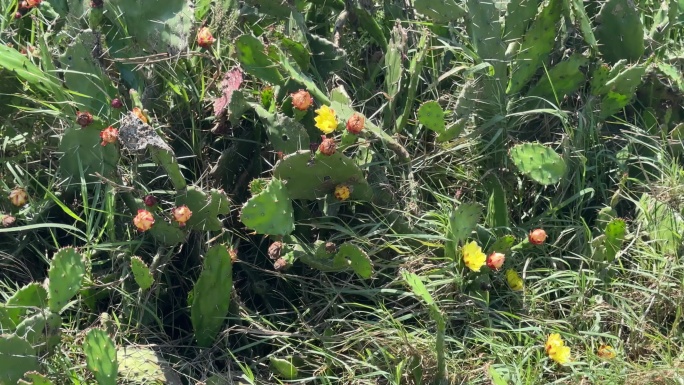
662,223
440,11
269,212
100,353
615,235
584,22
599,77
518,17
205,207
17,357
431,115
562,79
308,178
352,256
620,32
83,156
41,330
211,295
621,90
502,245
328,57
145,366
35,378
30,296
166,233
141,273
285,134
536,46
538,162
251,54
283,368
66,276
153,26
463,221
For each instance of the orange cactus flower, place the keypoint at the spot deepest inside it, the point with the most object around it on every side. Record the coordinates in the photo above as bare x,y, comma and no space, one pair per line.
181,214
204,37
355,124
537,236
18,197
138,112
109,135
302,100
606,352
144,220
495,261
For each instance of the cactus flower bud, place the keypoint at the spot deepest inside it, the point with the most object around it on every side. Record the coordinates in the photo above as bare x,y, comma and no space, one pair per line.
355,124
116,103
150,200
233,255
7,220
495,261
18,197
302,100
17,15
109,135
281,264
537,236
327,146
144,220
33,3
84,119
181,214
204,37
138,113
342,192
275,250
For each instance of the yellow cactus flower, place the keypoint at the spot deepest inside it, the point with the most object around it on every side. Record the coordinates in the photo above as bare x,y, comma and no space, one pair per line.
326,120
181,214
514,280
556,349
473,257
342,192
606,352
143,220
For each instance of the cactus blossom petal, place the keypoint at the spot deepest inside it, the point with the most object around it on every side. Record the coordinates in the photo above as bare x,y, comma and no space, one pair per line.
143,220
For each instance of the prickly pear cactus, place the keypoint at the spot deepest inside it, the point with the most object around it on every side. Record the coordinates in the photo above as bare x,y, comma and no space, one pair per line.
463,221
599,77
83,155
431,115
30,296
536,46
285,134
538,162
141,273
35,378
211,295
101,358
620,32
621,89
562,79
582,19
347,257
66,276
502,244
41,330
351,255
17,357
205,207
311,177
153,25
518,16
615,232
251,54
440,11
270,211
145,366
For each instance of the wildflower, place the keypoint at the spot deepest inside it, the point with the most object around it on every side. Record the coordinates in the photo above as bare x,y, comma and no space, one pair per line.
150,200
116,103
109,135
473,256
18,197
275,249
537,236
138,112
327,146
342,192
302,100
84,119
495,260
204,37
355,123
325,120
144,220
556,349
514,280
606,352
181,214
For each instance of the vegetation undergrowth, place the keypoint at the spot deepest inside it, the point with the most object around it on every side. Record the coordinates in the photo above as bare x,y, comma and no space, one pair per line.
341,192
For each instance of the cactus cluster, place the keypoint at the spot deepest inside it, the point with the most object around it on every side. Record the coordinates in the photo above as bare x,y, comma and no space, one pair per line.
538,162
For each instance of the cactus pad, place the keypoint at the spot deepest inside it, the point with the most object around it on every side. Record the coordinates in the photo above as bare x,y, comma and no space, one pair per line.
285,134
16,358
562,79
145,366
141,273
309,177
431,115
31,295
283,368
620,32
463,221
100,355
621,89
502,245
615,234
205,207
35,378
66,275
41,330
251,54
538,162
352,256
211,295
83,155
270,211
599,77
536,46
